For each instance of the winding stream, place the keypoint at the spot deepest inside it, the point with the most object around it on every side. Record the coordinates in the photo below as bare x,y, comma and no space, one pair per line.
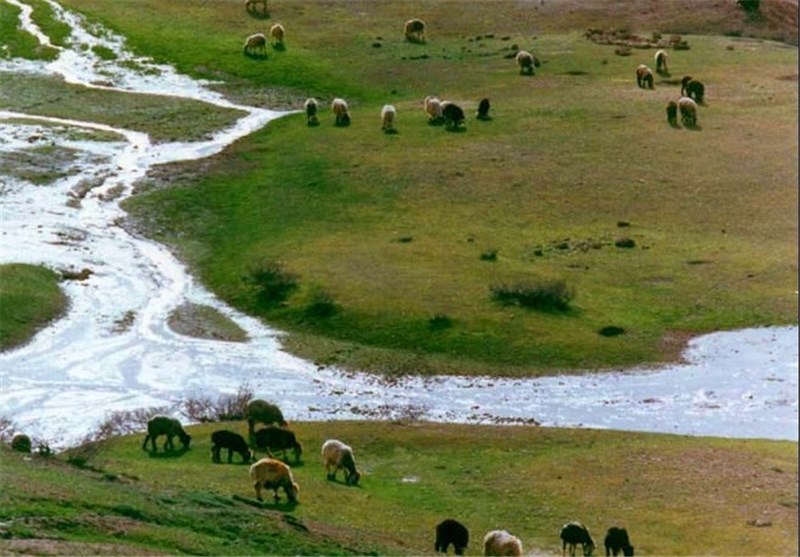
114,350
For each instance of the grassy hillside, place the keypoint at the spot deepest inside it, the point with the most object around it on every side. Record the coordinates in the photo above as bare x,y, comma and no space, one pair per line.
669,491
30,297
389,236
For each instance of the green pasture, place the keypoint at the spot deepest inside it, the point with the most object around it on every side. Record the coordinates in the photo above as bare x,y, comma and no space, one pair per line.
668,491
389,234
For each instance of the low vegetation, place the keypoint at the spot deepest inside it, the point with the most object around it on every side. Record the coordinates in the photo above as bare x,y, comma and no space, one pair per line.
668,491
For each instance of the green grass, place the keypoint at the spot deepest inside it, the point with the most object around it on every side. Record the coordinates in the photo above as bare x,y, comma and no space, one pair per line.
392,229
669,491
30,298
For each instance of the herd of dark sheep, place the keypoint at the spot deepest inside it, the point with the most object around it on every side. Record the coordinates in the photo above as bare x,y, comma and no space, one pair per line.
275,474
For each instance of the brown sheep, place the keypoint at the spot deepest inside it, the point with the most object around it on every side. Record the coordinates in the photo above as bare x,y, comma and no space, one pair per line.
262,411
388,117
414,31
269,473
688,110
250,6
661,62
255,44
276,33
644,77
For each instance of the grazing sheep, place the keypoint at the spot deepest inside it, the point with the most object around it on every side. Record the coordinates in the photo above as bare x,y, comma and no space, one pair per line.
693,89
340,110
688,109
388,116
224,439
278,439
311,105
164,425
501,543
644,77
414,31
269,473
338,456
255,44
448,532
616,541
433,108
526,62
265,412
453,115
250,5
483,110
672,113
661,62
574,533
276,33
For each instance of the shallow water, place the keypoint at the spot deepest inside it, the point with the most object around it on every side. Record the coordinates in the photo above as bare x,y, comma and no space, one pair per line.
114,350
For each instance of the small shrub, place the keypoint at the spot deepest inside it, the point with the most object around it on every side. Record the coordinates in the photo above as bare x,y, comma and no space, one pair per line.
611,331
749,5
542,295
274,284
224,408
439,322
321,305
21,443
625,243
489,255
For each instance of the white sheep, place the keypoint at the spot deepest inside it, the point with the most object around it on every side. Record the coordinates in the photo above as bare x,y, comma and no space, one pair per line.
269,473
341,111
311,105
661,61
433,108
338,456
276,33
414,30
525,61
501,543
688,110
255,44
388,116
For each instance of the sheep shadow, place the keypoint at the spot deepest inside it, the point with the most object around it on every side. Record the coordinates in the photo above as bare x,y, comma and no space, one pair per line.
343,483
390,131
456,129
281,505
485,118
279,47
175,453
256,55
258,14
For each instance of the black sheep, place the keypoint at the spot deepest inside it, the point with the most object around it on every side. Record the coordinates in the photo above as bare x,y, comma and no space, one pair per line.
224,439
451,531
574,533
693,89
672,113
616,541
483,110
170,427
278,439
453,116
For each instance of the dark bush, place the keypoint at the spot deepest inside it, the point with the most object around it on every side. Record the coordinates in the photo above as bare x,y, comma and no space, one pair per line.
321,305
749,5
541,295
611,331
625,243
274,284
489,255
21,443
439,322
